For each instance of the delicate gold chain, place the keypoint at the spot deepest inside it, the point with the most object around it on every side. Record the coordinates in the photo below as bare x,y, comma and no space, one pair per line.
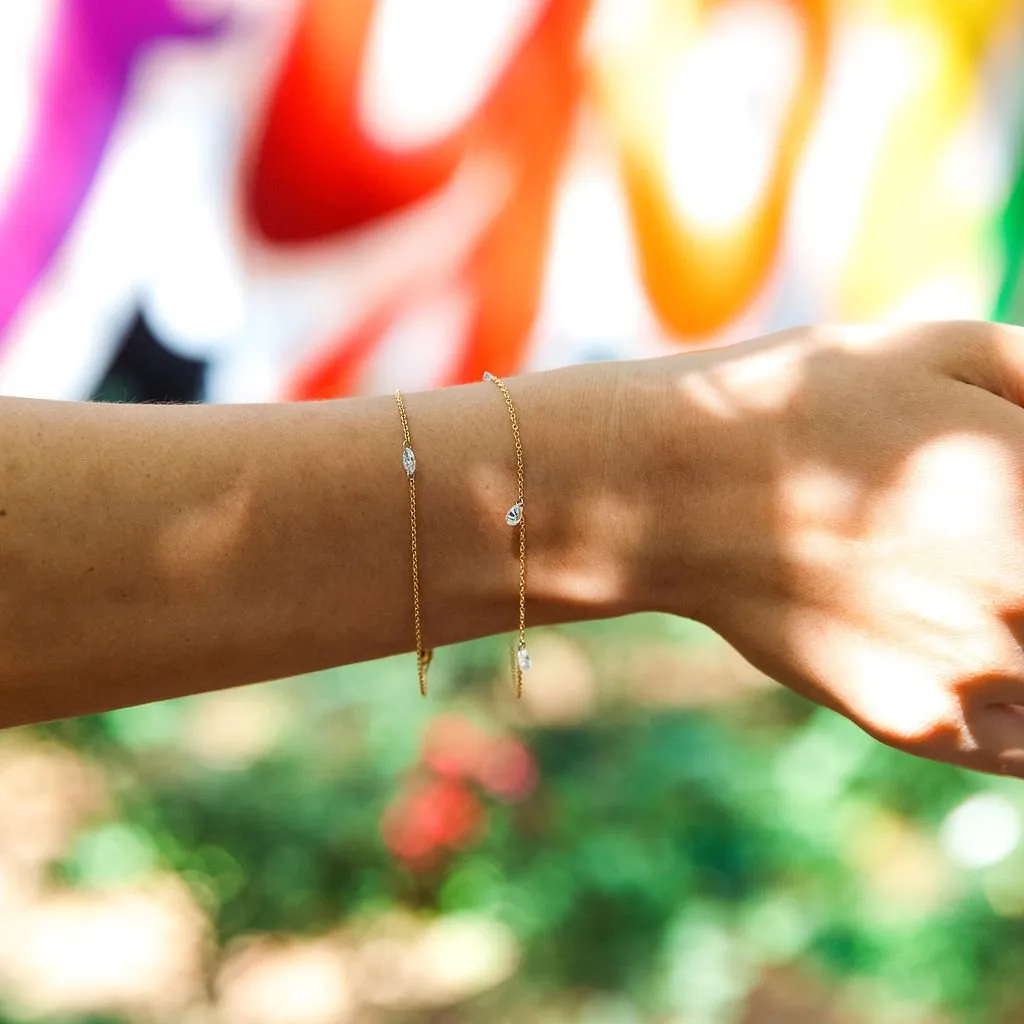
409,465
516,517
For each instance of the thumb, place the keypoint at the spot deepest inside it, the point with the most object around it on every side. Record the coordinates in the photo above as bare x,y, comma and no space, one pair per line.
990,356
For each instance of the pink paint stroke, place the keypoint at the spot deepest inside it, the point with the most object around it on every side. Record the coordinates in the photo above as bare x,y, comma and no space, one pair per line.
84,82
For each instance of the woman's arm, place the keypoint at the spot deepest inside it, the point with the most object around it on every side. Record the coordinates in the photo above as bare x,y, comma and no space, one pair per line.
148,551
845,506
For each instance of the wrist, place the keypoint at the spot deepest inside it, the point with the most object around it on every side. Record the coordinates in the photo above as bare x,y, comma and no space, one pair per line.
616,484
581,503
627,479
695,461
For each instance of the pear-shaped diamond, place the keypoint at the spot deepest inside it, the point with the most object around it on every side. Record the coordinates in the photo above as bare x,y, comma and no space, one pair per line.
523,658
514,516
488,375
409,460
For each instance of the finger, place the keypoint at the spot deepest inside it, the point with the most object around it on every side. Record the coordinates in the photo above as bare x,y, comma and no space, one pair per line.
1004,687
998,730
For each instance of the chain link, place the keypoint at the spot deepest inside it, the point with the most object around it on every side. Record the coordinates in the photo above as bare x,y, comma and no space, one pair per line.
517,671
423,657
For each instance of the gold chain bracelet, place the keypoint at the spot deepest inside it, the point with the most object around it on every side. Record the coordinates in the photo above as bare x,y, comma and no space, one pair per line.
409,465
516,517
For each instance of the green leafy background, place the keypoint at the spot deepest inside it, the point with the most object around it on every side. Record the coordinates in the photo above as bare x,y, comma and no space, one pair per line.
663,835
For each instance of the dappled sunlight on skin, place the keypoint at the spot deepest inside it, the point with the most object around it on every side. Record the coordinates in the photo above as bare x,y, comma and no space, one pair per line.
860,339
955,627
883,576
819,505
938,575
767,381
889,687
815,493
764,381
707,394
588,571
766,374
977,475
200,539
893,686
580,557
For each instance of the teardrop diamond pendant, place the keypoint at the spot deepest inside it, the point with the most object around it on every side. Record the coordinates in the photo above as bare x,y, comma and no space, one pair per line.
514,516
519,658
523,658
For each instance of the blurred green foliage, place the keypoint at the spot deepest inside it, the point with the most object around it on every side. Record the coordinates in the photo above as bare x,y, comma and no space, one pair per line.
658,863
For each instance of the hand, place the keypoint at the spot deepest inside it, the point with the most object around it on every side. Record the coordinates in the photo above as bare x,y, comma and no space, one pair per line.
860,534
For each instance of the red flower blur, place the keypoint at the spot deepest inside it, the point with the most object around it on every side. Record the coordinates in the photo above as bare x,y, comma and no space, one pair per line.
439,811
507,770
454,746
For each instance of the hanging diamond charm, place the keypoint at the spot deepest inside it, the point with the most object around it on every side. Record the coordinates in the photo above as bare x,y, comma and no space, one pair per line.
523,659
488,375
408,460
519,662
514,516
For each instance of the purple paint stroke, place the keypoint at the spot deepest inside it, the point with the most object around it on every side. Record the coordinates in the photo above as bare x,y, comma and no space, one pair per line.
83,85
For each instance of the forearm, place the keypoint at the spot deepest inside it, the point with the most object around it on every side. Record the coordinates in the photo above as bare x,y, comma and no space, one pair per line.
151,551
